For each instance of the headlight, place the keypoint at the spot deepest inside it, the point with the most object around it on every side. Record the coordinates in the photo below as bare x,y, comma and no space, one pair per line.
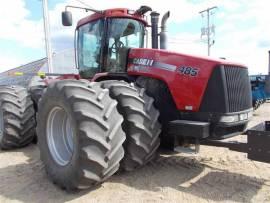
229,119
236,118
243,116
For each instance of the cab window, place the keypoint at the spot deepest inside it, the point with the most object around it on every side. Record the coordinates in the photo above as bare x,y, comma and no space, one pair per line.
123,34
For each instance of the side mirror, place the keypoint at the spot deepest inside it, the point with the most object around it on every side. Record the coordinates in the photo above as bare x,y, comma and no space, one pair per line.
66,18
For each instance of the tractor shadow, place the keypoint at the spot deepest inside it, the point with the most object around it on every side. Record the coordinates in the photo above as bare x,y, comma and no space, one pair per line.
188,175
27,181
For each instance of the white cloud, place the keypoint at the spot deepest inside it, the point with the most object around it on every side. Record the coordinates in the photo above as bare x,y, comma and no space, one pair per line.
17,27
8,61
248,42
186,43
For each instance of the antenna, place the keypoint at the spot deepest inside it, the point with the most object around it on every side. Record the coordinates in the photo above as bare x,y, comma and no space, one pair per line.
86,9
82,2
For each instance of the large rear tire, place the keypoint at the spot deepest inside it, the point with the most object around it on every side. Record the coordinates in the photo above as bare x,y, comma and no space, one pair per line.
17,117
79,134
140,123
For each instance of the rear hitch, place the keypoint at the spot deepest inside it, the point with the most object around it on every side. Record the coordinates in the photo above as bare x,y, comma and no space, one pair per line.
257,146
259,142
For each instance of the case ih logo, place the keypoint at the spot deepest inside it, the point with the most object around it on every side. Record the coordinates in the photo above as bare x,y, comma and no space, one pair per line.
143,62
152,63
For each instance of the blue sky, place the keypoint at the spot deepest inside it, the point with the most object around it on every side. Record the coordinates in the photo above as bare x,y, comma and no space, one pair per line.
242,31
35,7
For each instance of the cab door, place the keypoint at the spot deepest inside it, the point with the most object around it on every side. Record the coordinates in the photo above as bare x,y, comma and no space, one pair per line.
90,45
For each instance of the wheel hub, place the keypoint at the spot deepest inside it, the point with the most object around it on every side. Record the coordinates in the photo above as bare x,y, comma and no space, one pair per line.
60,135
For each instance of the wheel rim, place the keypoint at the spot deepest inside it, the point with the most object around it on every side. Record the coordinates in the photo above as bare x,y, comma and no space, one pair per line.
60,136
1,123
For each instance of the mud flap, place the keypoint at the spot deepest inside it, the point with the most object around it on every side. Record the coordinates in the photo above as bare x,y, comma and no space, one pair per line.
259,142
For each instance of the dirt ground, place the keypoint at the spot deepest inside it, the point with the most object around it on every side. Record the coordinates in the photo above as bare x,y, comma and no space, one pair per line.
213,175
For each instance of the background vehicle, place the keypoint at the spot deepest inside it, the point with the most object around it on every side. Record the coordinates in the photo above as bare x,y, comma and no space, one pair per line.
260,85
260,94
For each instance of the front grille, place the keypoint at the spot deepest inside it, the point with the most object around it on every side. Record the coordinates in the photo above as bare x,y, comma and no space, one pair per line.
228,90
238,88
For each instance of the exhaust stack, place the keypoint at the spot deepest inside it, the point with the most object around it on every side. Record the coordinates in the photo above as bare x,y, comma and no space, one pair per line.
163,33
154,22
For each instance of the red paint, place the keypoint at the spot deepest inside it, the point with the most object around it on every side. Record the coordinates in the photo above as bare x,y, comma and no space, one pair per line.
99,75
62,77
69,76
111,13
186,90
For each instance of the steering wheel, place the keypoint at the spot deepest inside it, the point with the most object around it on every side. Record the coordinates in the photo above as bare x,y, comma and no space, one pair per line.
117,45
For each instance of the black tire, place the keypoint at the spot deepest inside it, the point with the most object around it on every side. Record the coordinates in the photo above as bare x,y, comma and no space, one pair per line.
97,139
165,104
140,123
36,93
17,114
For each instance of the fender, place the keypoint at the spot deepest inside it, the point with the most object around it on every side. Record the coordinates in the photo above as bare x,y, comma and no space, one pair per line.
49,80
112,76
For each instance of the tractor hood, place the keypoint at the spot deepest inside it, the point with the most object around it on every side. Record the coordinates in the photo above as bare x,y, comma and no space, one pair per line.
186,76
173,61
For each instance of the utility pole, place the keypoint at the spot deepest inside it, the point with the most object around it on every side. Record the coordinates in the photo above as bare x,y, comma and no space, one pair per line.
47,35
209,29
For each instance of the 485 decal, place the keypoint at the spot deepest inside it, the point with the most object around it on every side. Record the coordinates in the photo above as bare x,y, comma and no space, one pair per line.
187,70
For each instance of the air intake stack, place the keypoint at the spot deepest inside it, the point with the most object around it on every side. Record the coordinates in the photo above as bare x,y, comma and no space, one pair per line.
154,22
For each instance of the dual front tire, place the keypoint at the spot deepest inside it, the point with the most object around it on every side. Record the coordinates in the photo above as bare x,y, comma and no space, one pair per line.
87,131
140,123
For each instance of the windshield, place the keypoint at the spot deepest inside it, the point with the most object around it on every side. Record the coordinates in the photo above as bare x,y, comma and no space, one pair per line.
96,54
123,33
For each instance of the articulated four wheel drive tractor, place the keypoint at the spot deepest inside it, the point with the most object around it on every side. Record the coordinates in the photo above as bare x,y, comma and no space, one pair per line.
127,101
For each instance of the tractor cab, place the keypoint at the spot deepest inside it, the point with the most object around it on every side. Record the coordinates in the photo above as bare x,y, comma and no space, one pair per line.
102,44
104,38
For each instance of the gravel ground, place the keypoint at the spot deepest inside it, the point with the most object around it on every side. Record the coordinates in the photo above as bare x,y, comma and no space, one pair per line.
213,175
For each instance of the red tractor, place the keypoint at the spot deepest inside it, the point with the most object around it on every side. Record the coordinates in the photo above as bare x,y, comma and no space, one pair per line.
129,99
